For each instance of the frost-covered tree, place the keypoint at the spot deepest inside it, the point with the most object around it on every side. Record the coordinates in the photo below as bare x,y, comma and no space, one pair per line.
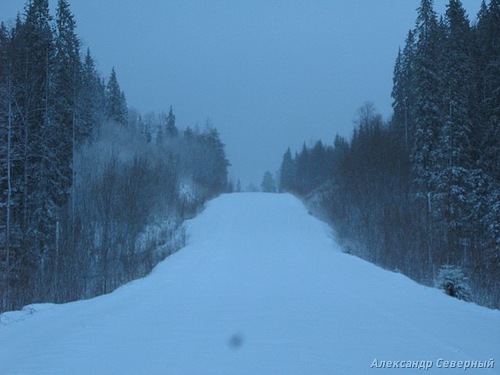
423,190
451,179
40,189
453,282
66,235
487,110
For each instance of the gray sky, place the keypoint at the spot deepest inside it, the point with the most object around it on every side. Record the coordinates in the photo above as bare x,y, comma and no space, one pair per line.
269,74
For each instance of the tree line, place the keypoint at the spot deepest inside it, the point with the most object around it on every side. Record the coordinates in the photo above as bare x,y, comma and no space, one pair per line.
422,190
92,194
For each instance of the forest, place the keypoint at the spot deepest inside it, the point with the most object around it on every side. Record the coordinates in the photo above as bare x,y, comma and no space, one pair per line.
93,194
420,194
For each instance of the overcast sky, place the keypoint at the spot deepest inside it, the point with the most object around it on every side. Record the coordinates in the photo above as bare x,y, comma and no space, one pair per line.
269,74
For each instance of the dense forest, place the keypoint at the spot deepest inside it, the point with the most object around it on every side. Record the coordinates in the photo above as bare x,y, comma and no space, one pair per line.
92,193
420,194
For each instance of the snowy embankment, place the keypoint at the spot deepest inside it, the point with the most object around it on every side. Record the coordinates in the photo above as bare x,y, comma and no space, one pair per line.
260,289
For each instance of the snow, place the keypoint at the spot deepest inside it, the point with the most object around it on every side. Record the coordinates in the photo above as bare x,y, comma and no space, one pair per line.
260,288
162,238
186,191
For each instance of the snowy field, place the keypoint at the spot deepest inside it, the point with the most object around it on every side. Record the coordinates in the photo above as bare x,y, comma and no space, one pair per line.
261,288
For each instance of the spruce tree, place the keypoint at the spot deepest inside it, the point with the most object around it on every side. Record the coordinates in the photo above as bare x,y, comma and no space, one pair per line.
287,173
67,76
457,82
159,137
453,154
116,106
403,91
428,115
398,104
488,84
268,185
172,130
38,195
91,101
6,154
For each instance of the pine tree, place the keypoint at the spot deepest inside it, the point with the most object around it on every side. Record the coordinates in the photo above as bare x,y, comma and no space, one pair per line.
398,104
453,152
67,76
159,136
428,115
116,106
171,129
303,168
6,154
453,282
91,101
403,91
319,166
34,62
488,88
287,173
268,185
206,161
40,147
457,82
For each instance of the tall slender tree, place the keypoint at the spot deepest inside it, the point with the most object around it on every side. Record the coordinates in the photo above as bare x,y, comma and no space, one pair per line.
287,173
488,87
427,101
171,129
453,152
91,101
403,91
34,105
116,105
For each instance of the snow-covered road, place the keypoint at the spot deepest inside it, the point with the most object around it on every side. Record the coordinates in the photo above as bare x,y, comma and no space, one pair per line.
261,288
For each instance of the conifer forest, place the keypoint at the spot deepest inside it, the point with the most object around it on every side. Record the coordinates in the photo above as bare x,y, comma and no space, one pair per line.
93,194
420,193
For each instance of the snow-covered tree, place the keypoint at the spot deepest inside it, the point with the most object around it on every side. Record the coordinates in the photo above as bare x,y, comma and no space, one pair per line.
428,115
453,282
53,109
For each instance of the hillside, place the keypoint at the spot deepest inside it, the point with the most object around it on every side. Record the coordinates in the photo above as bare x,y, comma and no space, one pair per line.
261,288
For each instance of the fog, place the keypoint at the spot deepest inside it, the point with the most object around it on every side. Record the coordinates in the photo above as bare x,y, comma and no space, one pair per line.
268,74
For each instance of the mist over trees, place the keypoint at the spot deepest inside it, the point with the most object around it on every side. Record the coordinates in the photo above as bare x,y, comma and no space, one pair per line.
422,191
268,185
92,194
